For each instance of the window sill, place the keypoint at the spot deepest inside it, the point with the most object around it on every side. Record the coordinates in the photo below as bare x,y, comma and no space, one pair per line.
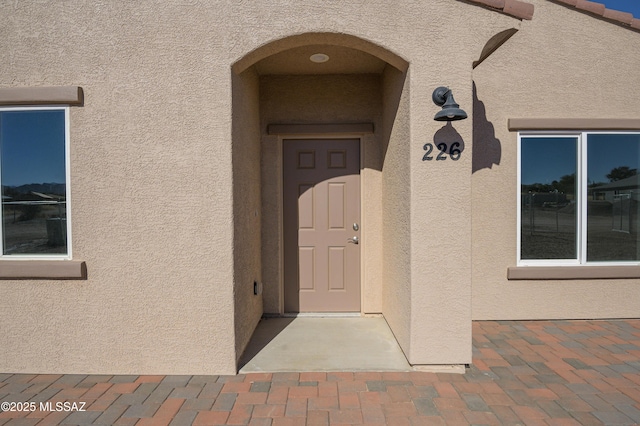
43,269
572,272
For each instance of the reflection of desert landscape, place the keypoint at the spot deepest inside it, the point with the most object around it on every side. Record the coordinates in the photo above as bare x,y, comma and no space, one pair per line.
549,228
34,223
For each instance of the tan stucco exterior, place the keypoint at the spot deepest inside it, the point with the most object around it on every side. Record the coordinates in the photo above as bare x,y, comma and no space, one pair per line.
563,65
176,180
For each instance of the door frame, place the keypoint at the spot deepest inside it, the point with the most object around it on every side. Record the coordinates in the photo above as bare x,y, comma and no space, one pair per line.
339,131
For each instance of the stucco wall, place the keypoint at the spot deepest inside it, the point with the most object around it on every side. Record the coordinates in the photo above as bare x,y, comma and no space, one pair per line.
247,212
396,202
172,249
440,42
150,185
562,64
440,193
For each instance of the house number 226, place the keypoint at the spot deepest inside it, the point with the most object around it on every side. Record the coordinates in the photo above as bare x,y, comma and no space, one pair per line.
453,151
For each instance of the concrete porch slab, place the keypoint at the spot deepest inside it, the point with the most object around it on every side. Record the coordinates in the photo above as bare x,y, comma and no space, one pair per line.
305,344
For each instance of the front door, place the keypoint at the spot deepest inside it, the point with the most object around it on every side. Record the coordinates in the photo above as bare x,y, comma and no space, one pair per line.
321,225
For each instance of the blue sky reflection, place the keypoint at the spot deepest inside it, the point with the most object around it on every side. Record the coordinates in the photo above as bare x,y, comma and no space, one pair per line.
547,159
32,147
609,151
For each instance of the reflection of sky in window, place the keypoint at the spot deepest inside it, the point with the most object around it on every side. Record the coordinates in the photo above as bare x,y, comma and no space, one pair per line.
607,151
32,147
547,159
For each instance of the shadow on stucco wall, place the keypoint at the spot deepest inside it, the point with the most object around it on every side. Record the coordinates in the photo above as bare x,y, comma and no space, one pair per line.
447,144
393,86
487,149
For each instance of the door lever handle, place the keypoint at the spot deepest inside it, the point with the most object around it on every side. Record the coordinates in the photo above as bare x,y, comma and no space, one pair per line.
353,240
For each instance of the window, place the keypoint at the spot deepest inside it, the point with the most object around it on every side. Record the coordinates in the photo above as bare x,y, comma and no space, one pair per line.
579,198
34,180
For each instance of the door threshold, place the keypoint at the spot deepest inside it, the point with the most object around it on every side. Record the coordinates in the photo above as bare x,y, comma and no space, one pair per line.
322,314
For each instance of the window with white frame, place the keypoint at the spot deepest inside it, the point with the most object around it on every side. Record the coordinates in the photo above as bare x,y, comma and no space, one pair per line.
34,179
578,198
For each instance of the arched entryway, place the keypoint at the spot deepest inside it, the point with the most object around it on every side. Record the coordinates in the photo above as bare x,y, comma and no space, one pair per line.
323,113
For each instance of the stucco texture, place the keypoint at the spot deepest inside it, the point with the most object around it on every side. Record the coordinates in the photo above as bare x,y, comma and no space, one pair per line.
246,208
561,64
150,190
175,179
426,208
168,176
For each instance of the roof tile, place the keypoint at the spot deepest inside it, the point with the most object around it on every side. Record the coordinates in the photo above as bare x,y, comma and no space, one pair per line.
616,15
518,8
523,10
496,4
591,6
623,18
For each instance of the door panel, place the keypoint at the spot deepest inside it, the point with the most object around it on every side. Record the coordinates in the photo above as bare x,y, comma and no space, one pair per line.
336,205
321,204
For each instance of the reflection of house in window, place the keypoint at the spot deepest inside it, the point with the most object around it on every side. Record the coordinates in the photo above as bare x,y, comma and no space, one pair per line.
622,197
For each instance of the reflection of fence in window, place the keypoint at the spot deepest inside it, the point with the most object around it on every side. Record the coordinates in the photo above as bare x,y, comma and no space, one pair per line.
52,211
547,212
621,213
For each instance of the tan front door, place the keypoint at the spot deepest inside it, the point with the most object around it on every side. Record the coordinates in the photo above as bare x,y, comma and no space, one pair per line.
322,225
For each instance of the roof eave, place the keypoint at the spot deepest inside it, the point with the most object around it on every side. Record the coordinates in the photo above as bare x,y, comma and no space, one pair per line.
599,10
516,8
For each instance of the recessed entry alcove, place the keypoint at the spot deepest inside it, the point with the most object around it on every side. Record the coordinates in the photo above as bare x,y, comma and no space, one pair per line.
338,97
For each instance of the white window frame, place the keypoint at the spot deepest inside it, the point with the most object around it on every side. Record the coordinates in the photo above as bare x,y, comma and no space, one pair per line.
581,199
68,255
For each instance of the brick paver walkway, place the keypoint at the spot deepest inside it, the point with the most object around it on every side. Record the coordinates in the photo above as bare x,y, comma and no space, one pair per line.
532,373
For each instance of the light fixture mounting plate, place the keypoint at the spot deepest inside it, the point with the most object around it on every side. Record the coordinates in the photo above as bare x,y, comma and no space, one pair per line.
439,95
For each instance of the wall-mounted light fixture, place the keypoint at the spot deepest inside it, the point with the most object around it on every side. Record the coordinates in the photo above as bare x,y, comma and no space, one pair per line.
451,111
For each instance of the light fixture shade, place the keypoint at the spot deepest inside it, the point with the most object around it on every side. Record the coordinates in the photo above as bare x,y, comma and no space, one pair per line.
451,111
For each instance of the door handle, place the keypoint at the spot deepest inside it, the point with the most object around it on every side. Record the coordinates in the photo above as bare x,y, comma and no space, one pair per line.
353,240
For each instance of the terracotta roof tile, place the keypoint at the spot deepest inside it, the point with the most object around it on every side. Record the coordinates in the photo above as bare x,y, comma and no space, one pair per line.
516,8
496,4
523,10
591,6
616,15
600,10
